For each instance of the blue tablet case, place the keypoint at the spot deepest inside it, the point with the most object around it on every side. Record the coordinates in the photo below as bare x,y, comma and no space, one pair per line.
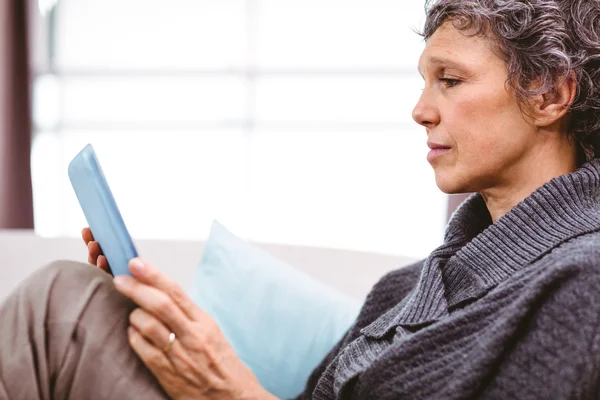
100,210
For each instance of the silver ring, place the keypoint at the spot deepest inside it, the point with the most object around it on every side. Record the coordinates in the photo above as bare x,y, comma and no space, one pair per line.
172,338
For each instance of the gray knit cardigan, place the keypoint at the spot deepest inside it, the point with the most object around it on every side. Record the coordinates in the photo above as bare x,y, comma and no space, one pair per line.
504,310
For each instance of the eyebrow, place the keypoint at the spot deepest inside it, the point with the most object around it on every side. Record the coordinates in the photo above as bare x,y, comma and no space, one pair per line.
445,62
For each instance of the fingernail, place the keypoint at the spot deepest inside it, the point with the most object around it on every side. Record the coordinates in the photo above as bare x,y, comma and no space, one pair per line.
136,265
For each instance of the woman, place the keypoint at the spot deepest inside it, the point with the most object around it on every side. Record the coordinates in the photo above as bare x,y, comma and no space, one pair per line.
508,307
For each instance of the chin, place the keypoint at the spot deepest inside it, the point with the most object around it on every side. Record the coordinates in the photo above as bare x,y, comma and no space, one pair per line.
450,183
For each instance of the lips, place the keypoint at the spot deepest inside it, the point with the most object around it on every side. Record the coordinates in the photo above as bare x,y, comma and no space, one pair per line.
437,149
437,146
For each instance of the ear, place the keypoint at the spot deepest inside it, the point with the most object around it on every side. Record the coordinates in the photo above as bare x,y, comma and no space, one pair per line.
553,106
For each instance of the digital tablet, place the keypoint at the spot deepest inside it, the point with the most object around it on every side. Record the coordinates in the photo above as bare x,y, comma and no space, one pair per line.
101,211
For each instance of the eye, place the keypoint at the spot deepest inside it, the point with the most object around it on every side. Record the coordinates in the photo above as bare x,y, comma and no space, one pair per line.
449,82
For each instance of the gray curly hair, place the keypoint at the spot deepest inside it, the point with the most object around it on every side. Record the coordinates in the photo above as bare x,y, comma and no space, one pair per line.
545,40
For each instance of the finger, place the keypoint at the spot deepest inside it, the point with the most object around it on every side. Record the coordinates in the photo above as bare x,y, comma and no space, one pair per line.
91,258
150,327
93,252
155,302
157,335
102,263
156,361
148,274
86,235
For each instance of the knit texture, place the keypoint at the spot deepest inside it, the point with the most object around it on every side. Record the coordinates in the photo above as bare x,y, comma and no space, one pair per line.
508,310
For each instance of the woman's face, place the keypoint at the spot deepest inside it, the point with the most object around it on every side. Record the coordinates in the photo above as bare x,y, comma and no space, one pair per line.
467,109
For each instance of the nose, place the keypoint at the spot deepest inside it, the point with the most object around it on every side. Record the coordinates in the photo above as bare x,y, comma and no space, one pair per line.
425,112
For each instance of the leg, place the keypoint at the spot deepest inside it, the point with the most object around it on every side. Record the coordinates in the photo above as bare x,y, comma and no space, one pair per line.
63,336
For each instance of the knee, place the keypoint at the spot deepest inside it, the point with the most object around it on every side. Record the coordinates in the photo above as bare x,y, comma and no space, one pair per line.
68,288
77,268
66,291
68,279
72,273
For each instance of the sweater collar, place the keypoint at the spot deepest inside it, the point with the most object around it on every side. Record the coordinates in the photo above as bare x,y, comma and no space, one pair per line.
566,207
477,254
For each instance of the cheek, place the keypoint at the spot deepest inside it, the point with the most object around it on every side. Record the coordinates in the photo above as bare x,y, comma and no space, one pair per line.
472,131
487,128
489,136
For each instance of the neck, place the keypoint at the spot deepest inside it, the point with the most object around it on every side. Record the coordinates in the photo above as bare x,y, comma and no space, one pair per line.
543,164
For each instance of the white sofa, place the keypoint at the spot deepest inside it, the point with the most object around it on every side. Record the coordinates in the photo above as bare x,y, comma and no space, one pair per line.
354,273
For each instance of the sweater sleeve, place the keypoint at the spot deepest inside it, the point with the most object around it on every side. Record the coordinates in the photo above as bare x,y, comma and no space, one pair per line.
386,293
592,391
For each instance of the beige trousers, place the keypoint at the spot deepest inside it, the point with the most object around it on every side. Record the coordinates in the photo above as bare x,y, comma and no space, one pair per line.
63,336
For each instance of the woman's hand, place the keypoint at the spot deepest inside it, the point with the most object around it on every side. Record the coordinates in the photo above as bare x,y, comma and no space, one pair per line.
199,363
95,256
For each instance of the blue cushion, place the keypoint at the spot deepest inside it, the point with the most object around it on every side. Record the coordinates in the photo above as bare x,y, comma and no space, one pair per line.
280,321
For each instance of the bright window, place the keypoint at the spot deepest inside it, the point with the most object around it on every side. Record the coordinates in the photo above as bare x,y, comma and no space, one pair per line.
289,121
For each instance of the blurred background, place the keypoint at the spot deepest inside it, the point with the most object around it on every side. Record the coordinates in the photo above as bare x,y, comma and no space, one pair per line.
288,121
